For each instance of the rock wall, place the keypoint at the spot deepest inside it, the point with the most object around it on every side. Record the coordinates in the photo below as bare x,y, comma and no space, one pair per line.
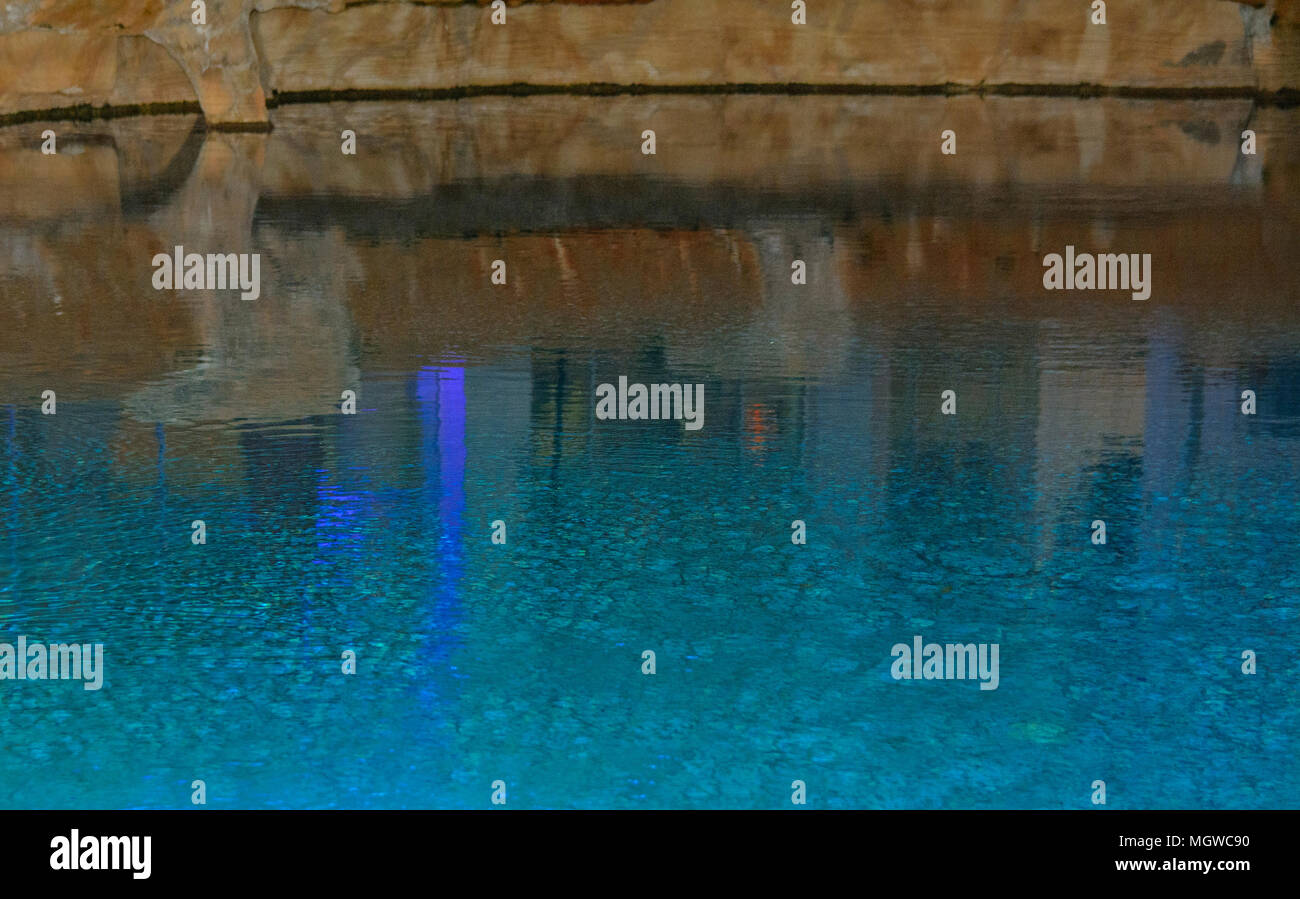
61,54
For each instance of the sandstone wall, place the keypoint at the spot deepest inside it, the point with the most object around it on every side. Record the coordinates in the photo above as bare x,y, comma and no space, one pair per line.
56,54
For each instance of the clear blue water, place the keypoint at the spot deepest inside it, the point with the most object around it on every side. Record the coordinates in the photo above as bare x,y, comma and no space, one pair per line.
522,662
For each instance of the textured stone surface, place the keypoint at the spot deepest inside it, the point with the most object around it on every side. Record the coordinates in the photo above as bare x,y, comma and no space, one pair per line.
1179,43
48,69
57,53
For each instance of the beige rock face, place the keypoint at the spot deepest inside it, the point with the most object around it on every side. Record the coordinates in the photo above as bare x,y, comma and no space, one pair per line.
85,72
59,53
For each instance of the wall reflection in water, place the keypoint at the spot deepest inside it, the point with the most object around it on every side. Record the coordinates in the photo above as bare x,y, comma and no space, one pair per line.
522,662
